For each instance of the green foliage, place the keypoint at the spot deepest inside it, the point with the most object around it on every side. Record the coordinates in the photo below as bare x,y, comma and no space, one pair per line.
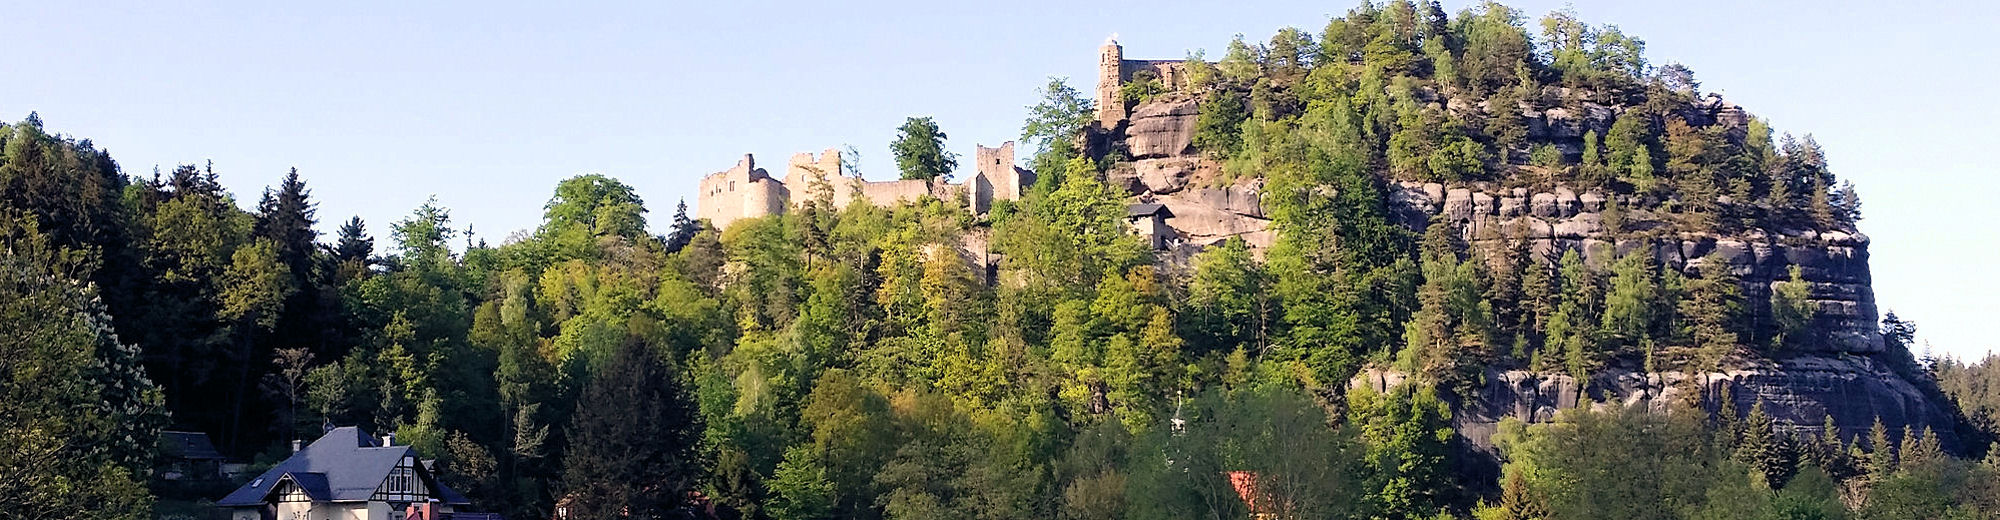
1055,120
858,363
1143,86
1629,152
920,152
1407,435
1217,130
1712,310
1792,311
632,442
80,416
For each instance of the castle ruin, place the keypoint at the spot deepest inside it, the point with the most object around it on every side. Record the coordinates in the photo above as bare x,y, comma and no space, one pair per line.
746,191
1113,71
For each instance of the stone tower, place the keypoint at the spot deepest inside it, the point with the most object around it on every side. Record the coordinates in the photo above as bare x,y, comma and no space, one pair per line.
1110,76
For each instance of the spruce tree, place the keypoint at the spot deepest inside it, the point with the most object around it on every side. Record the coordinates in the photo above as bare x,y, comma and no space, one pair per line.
633,438
285,217
683,229
1881,453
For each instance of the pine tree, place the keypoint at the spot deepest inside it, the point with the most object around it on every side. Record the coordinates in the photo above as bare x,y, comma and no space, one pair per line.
1920,449
1629,306
1518,502
285,217
1831,452
1711,308
1539,295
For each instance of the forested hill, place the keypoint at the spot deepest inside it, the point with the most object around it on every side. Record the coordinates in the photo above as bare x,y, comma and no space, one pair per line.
851,362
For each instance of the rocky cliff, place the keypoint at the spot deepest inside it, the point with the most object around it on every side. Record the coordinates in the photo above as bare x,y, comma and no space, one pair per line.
1842,373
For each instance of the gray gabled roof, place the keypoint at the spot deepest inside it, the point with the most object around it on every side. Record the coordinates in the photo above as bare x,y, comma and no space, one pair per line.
1147,210
345,465
188,445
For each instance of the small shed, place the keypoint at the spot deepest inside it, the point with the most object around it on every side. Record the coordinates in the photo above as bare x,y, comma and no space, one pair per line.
189,456
1149,220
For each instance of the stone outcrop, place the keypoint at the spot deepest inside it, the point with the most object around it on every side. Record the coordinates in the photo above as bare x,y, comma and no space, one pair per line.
1205,216
1834,262
1162,129
1799,393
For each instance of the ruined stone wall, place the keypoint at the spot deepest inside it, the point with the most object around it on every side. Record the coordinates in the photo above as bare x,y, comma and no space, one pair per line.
803,169
888,193
1172,73
746,191
996,179
743,191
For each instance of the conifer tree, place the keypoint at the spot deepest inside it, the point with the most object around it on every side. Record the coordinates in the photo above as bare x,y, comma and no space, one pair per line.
1881,453
1764,450
633,438
1792,310
1629,306
683,229
1711,308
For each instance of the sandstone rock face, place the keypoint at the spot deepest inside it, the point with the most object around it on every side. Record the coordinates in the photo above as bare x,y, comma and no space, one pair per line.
1799,393
1834,261
1167,175
1543,205
1209,215
1162,129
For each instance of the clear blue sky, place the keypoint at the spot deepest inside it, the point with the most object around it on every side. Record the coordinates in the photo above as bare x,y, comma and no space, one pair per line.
487,106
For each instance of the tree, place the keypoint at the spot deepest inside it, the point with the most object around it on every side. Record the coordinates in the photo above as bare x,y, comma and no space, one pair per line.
919,151
1630,306
1055,120
1712,309
285,217
1763,450
683,230
1218,128
586,209
801,488
1792,311
354,250
287,383
1407,434
633,438
78,417
1629,153
1881,452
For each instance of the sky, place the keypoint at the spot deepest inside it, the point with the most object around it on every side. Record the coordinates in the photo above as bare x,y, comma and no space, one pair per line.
487,105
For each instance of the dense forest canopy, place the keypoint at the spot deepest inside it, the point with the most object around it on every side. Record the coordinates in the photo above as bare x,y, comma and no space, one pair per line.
847,362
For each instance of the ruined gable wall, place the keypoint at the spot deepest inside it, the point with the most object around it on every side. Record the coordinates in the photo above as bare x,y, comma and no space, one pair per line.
1172,73
801,171
743,191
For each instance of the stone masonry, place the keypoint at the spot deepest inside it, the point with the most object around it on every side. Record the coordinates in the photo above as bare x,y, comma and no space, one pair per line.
746,191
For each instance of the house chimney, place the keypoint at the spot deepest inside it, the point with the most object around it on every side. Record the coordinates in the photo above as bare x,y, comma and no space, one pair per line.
295,445
388,439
